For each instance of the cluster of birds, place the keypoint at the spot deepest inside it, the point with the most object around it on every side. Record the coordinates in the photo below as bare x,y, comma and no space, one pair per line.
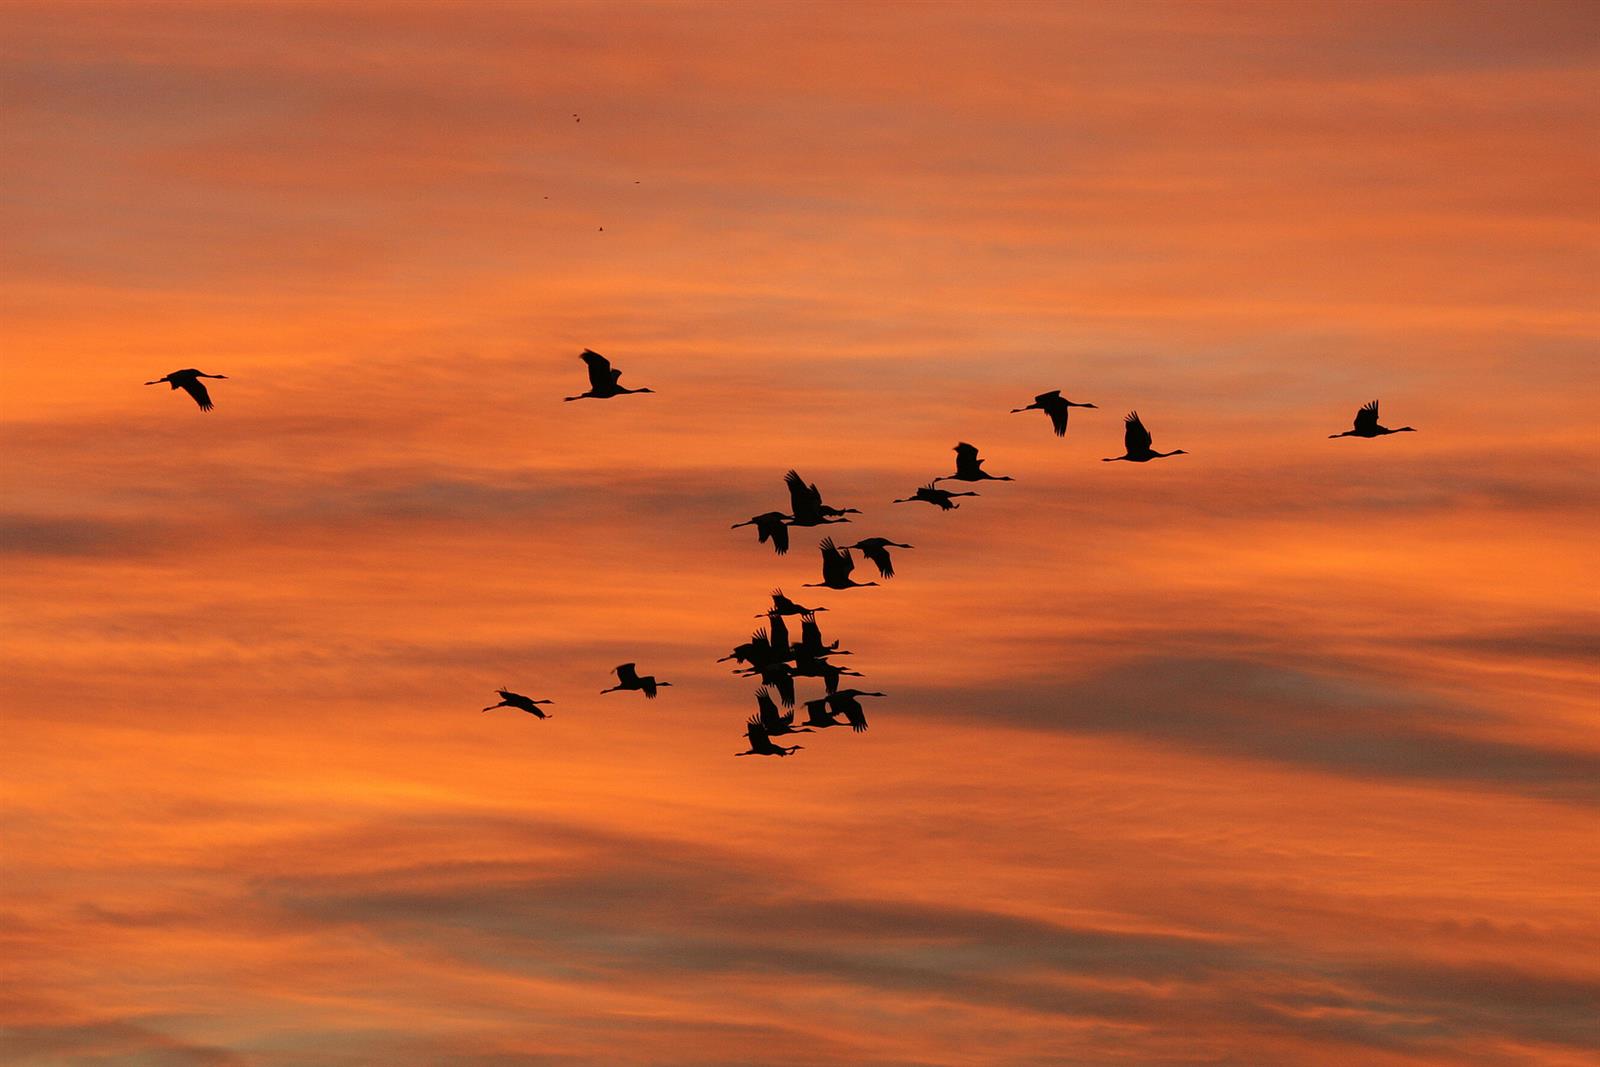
770,654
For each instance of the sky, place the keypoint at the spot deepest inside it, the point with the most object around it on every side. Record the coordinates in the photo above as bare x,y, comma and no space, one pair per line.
1279,752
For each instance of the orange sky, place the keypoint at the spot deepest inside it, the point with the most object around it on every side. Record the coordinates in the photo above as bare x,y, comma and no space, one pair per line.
1280,752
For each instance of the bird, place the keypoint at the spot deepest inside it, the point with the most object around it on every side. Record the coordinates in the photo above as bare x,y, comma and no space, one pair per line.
877,550
942,499
761,649
1054,405
810,644
837,563
806,503
603,380
769,527
1367,425
969,468
629,679
817,667
778,676
782,605
1136,441
189,381
761,744
774,723
847,702
509,699
818,717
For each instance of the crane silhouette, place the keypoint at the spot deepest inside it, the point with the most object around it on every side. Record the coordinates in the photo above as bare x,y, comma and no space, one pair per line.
761,744
769,527
806,503
818,717
774,723
877,550
942,499
1054,405
1136,442
969,468
778,676
782,605
629,679
509,699
847,702
1367,425
189,381
604,382
837,563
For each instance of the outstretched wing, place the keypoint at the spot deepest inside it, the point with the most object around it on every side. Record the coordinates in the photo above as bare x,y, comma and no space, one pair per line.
966,453
854,712
626,674
1058,411
648,684
1045,398
1135,438
768,715
1367,417
879,555
804,500
780,633
810,632
600,376
836,562
780,537
197,389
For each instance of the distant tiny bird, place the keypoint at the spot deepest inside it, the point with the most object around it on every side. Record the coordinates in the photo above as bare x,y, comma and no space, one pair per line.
509,699
942,499
762,745
1136,441
1054,405
806,503
782,605
837,563
604,382
628,679
770,526
1367,425
877,550
847,702
189,381
969,468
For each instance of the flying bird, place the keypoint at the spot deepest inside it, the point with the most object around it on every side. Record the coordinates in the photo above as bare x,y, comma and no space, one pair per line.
761,744
942,499
847,702
1054,405
1367,425
189,381
777,675
769,527
1136,441
782,605
806,503
810,644
630,680
774,723
877,550
837,563
604,382
969,468
509,699
818,717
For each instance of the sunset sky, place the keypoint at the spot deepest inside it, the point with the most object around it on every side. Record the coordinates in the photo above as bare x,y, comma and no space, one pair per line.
1281,752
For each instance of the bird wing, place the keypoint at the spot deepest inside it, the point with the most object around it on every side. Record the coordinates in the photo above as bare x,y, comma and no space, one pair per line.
853,711
768,715
879,555
626,674
836,562
1135,438
966,453
599,369
780,633
780,537
1045,398
1367,417
1058,413
648,684
197,389
810,632
755,732
804,500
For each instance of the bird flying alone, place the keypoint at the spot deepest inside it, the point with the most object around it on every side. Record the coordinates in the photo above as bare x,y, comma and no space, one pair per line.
189,381
877,550
837,563
1367,424
1054,405
629,680
509,699
604,382
942,499
1136,442
969,468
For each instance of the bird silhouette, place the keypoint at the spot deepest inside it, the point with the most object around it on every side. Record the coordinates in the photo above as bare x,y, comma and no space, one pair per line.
969,468
774,723
782,605
942,499
189,381
1367,425
847,702
1054,405
837,563
1136,442
629,679
776,675
769,527
761,744
810,644
818,717
763,649
509,699
805,501
604,382
877,550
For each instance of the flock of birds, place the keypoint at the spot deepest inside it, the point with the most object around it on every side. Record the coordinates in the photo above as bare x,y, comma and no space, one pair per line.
771,655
